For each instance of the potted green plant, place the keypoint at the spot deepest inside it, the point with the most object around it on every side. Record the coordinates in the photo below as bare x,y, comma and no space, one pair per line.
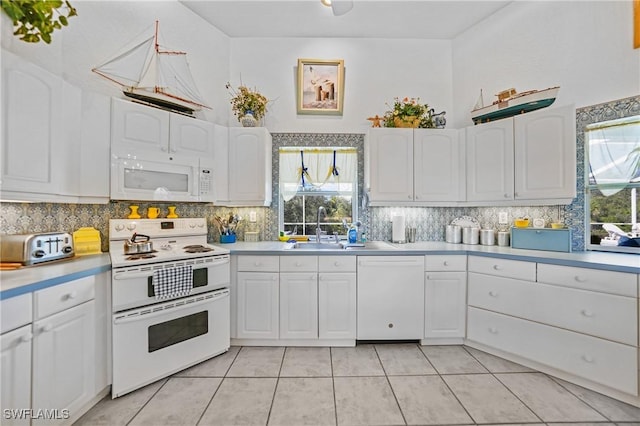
408,112
35,20
247,104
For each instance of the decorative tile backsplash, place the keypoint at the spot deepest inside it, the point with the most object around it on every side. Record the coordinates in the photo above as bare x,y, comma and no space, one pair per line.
17,218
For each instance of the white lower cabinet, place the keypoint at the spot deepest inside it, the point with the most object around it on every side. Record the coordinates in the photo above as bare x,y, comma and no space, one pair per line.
16,373
258,305
299,305
390,297
608,363
445,306
337,305
63,361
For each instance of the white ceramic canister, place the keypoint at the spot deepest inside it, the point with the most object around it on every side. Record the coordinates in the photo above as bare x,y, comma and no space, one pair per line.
453,234
470,235
487,237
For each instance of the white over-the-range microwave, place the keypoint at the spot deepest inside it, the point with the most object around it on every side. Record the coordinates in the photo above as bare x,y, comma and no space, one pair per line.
154,176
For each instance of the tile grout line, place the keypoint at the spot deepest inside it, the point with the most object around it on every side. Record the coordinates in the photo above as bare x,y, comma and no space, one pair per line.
147,402
333,385
224,376
389,383
578,397
275,390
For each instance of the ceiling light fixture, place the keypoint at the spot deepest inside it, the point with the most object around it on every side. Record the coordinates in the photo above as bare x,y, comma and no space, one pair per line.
339,7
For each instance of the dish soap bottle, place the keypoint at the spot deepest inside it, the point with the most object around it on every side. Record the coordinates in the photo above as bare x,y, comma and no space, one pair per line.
353,234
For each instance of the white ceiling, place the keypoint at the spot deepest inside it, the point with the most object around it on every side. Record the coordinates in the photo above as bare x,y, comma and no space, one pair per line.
444,19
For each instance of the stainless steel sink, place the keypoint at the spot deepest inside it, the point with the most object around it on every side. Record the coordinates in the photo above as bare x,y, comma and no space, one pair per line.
317,246
369,245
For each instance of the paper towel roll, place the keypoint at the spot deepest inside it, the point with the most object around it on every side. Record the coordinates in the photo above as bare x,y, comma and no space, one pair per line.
397,229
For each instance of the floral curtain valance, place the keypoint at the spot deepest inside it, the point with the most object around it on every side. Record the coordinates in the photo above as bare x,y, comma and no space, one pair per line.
308,169
614,154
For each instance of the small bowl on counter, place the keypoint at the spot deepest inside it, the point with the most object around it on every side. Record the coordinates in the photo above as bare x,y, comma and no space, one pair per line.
521,223
557,226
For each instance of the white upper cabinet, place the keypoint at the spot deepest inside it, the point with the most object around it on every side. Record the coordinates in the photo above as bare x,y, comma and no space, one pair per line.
545,154
530,157
246,180
51,130
414,166
438,164
389,162
490,161
148,128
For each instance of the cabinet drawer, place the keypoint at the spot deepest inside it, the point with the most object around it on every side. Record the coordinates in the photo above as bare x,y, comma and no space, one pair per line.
15,312
258,263
503,267
337,263
603,315
298,263
63,296
445,263
621,283
601,361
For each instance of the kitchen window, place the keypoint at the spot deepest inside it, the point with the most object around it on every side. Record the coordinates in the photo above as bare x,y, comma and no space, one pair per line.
311,177
613,179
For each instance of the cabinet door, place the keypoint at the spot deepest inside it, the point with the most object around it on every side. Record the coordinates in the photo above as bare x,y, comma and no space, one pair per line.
445,304
337,305
249,166
190,136
32,127
439,173
390,297
490,161
545,154
15,373
139,126
63,360
95,144
389,164
258,295
299,305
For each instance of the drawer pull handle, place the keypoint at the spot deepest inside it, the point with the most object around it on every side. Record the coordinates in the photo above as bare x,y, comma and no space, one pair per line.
587,313
497,267
445,263
46,328
26,338
580,279
298,264
493,293
257,264
71,296
390,325
273,278
337,264
587,358
493,330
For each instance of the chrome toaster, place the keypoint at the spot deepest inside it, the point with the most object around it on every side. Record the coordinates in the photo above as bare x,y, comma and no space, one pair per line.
30,249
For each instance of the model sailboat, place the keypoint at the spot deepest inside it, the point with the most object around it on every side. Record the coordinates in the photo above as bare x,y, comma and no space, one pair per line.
150,73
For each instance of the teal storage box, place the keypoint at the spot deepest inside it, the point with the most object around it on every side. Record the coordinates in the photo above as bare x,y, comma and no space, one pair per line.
541,239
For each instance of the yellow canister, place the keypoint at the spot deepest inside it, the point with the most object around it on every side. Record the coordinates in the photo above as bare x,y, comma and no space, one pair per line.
87,241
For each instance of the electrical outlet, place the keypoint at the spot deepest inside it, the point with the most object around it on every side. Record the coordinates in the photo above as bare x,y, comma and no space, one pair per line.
502,217
253,217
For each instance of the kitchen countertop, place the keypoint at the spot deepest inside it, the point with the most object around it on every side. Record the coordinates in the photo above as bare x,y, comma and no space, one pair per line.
33,278
620,262
29,279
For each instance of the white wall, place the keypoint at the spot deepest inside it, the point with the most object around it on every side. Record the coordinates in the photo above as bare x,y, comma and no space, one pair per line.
585,47
103,28
376,71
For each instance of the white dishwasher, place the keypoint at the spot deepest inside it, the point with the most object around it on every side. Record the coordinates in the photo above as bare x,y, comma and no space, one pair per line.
390,297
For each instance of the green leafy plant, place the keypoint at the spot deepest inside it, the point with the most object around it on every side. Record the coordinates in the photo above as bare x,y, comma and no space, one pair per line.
35,20
245,100
409,111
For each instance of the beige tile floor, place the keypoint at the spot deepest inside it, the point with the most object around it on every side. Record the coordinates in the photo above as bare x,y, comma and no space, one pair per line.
381,384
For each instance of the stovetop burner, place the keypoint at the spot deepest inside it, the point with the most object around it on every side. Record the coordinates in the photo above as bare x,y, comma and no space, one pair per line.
139,256
197,248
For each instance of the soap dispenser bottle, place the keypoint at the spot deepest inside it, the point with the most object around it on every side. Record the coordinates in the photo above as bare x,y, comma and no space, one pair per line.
353,234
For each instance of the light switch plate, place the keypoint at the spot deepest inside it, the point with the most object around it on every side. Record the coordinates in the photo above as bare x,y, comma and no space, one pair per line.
253,217
502,217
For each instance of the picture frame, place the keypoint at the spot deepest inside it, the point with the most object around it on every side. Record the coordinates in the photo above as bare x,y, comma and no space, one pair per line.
320,88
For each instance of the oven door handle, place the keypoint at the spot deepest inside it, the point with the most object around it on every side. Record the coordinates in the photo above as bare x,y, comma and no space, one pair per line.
131,276
133,318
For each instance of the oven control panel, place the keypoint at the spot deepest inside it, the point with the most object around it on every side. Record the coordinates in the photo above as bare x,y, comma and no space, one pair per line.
122,229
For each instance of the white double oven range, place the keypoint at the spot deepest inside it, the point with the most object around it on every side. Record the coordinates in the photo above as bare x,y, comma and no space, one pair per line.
170,302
